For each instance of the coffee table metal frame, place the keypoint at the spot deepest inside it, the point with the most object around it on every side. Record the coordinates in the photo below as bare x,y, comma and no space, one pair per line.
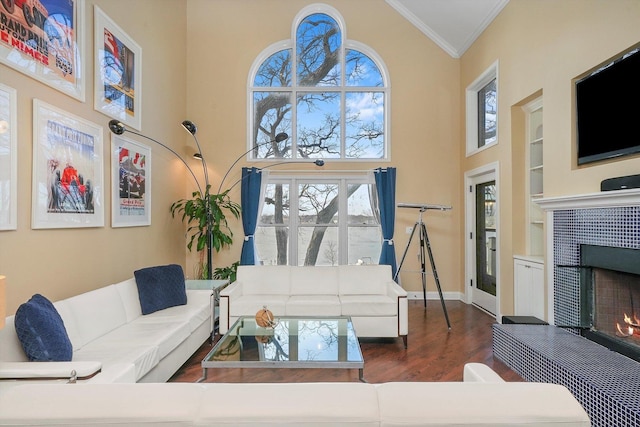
208,363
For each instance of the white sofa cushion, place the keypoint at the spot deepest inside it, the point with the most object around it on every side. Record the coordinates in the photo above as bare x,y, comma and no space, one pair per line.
316,404
105,404
93,314
10,347
73,330
164,335
248,305
196,311
316,305
142,357
372,279
314,281
264,280
478,404
128,291
368,305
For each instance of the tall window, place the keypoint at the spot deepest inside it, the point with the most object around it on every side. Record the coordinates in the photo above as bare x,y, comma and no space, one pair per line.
329,94
319,221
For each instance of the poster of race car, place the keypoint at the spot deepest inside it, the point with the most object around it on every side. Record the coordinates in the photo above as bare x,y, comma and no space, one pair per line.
43,39
117,71
8,158
130,189
67,170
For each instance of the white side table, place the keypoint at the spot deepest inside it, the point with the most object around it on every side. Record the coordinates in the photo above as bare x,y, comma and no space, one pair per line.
216,286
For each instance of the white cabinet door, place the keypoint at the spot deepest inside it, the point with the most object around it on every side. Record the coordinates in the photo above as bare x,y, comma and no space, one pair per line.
528,288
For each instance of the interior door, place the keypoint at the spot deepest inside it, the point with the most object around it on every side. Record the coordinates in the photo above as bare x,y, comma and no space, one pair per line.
485,235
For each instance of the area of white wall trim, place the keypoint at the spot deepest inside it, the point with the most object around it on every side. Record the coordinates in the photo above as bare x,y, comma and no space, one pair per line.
433,295
481,174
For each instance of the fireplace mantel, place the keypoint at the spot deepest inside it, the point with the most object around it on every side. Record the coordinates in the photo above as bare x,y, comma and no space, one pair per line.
603,199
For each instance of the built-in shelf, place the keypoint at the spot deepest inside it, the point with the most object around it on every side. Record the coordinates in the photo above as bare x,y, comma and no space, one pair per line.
535,177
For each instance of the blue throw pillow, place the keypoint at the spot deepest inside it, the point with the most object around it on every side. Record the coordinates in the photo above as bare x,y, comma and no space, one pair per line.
160,287
41,331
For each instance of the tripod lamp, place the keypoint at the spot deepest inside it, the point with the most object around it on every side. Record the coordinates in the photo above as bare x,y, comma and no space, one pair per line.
118,128
279,138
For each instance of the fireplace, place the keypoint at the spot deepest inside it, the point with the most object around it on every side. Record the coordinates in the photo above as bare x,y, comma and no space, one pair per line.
606,383
610,297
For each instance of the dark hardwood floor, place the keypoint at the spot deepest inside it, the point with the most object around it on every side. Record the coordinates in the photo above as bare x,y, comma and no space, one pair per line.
433,354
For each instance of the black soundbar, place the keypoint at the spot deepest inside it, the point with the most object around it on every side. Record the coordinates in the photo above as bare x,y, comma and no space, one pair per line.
620,183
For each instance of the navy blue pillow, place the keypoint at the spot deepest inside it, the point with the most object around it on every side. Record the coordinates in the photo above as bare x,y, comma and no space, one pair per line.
41,331
160,287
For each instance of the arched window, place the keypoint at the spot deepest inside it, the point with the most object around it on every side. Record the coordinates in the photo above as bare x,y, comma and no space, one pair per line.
330,95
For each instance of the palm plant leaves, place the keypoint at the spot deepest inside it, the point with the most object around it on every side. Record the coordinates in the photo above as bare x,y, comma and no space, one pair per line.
193,212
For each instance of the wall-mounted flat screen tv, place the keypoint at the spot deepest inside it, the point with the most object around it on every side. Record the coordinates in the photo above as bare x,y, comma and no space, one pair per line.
608,110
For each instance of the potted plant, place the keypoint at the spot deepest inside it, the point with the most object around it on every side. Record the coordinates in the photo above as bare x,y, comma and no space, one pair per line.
203,215
227,273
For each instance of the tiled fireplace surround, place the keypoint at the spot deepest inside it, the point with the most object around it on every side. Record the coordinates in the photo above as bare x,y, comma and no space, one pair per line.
606,383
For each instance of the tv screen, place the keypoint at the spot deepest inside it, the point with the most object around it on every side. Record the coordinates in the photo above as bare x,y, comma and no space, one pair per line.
608,110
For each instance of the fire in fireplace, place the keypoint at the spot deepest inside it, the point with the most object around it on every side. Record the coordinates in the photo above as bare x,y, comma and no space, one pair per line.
610,297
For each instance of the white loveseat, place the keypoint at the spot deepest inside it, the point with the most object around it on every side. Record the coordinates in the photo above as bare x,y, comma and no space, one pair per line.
376,304
113,342
483,399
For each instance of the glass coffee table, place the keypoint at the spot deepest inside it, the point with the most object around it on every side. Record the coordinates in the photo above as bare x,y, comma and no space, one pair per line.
294,342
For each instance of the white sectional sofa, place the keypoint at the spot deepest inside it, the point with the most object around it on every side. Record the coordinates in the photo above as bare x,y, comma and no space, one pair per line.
376,304
483,399
113,342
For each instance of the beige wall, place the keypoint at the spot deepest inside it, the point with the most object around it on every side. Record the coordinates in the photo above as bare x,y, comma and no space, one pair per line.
196,64
225,37
541,46
64,262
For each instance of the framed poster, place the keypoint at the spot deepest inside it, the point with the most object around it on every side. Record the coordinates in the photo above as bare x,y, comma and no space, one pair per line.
44,40
8,158
130,189
118,71
67,170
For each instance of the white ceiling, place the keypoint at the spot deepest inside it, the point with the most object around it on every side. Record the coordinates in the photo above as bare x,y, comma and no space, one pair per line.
452,24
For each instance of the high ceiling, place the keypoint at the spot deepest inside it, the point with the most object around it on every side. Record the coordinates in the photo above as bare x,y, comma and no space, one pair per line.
452,24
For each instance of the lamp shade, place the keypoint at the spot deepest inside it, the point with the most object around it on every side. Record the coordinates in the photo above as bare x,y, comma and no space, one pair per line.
3,301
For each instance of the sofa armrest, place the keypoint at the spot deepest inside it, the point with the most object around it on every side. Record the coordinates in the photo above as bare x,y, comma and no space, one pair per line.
48,370
228,294
233,290
480,373
397,292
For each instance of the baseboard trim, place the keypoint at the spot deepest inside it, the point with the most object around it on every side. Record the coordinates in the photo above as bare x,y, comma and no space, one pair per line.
418,295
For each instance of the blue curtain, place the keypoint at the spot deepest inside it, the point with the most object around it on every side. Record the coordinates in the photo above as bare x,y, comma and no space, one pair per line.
386,189
250,202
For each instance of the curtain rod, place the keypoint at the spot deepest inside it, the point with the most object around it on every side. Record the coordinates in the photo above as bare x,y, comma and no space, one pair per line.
324,171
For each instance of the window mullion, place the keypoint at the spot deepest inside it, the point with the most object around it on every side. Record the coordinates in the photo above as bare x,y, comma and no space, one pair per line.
294,221
343,223
294,123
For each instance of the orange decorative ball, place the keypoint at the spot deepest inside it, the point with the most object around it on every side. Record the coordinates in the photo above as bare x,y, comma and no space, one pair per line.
264,318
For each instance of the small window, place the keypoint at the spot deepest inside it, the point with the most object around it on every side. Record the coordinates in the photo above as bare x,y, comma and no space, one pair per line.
487,114
482,111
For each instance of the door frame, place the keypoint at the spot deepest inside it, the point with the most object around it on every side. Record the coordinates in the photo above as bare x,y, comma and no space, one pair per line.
486,173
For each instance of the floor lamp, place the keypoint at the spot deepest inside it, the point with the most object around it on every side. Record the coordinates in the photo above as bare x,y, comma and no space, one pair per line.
118,128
